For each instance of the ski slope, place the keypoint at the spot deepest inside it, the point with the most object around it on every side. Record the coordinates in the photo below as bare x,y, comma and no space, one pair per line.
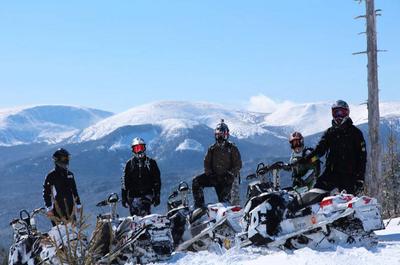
385,253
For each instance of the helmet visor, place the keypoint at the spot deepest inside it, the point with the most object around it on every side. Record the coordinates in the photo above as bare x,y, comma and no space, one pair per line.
340,113
139,148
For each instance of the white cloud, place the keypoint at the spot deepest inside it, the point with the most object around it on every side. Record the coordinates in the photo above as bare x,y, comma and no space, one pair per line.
262,103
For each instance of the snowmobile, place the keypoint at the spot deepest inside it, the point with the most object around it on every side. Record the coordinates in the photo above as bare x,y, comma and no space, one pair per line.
204,228
284,218
31,246
131,239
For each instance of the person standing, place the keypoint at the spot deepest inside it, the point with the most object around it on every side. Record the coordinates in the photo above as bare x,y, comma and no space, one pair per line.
345,150
222,165
141,183
60,194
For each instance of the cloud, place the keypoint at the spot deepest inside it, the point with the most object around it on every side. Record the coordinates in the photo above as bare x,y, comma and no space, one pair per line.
262,103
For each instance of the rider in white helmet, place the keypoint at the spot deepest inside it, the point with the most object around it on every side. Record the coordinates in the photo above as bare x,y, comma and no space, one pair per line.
141,181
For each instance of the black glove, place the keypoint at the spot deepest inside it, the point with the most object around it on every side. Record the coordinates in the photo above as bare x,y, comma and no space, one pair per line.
358,187
156,199
124,200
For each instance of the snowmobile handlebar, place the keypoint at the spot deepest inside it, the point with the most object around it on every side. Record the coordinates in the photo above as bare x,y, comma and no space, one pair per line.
112,198
263,169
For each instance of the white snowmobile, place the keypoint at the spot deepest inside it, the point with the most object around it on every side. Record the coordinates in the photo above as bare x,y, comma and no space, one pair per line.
33,247
131,239
275,217
204,228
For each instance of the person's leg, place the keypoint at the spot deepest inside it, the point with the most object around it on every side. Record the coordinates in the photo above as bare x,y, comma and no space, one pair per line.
235,191
198,183
223,190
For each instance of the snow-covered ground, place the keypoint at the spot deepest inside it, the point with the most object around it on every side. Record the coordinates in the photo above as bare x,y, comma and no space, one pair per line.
385,253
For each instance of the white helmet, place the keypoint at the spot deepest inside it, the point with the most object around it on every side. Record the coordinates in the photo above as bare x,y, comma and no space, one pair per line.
138,147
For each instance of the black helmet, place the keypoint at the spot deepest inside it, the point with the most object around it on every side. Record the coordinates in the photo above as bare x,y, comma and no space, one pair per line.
340,111
221,132
61,158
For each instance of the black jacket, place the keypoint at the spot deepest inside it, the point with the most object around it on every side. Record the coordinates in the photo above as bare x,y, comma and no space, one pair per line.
141,177
60,185
222,158
346,156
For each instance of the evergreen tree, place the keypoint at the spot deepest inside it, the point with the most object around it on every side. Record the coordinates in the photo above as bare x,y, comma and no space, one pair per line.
391,177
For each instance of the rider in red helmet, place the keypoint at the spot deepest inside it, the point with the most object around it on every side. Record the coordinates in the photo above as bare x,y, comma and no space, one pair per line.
303,175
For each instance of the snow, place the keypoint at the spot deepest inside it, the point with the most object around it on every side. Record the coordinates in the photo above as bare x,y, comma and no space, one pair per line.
53,123
312,118
45,123
387,252
175,115
190,144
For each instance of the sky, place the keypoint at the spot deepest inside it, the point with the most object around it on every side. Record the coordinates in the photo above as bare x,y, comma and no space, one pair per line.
115,55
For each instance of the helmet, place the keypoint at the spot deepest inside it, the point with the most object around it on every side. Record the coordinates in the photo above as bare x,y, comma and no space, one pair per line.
138,147
221,132
61,158
340,111
296,140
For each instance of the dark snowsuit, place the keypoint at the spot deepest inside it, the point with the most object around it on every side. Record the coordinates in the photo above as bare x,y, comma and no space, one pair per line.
222,164
60,187
346,156
140,184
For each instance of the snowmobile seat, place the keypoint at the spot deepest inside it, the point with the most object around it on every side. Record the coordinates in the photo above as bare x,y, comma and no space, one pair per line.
197,214
306,199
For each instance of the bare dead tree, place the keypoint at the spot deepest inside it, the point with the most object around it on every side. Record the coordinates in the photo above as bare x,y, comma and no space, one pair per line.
374,176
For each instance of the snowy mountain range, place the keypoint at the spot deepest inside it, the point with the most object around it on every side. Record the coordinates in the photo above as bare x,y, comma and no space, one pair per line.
177,134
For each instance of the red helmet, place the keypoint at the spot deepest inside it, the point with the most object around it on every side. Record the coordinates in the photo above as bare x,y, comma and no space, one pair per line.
296,140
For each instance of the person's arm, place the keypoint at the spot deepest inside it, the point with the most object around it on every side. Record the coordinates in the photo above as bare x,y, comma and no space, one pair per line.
208,163
361,156
124,193
75,192
236,160
47,192
320,149
155,172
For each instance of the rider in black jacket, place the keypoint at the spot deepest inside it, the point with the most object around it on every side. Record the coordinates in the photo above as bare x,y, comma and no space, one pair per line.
141,181
345,150
59,189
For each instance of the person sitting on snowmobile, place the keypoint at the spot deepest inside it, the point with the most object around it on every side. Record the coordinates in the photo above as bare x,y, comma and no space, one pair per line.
59,190
222,165
303,175
344,146
141,183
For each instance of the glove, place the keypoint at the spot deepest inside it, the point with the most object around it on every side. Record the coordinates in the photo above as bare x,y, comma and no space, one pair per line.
156,199
358,187
124,197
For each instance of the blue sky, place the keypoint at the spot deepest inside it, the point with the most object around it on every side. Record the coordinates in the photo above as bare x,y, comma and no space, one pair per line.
115,55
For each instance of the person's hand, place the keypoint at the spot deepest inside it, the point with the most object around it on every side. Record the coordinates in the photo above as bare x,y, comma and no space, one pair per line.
358,187
156,200
50,213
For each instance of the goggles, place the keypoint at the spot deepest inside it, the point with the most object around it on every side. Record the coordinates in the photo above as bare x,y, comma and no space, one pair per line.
63,159
340,113
138,148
